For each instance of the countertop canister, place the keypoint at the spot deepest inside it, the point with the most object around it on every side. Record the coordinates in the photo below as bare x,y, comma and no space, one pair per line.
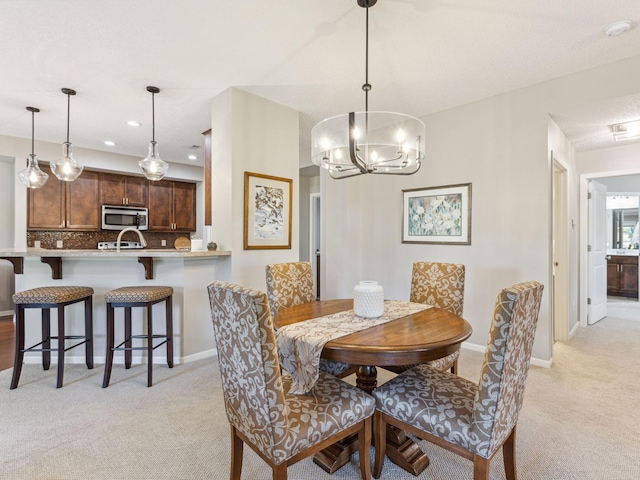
368,299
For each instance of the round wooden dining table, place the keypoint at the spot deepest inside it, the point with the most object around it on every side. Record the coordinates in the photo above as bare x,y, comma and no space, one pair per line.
418,338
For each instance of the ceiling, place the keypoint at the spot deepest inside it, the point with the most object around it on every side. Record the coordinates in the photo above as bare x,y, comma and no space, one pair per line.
425,56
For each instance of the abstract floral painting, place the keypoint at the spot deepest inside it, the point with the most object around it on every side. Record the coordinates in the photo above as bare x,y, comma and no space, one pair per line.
267,211
437,215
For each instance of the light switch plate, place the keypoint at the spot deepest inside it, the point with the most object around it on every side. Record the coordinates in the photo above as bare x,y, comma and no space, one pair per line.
59,244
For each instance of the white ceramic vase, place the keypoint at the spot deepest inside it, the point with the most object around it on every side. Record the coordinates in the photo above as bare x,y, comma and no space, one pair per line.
368,299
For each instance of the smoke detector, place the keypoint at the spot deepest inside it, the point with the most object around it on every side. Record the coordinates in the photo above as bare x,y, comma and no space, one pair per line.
618,28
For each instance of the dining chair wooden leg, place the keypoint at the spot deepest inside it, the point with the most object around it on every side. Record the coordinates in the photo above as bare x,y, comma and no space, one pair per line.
480,468
237,446
509,456
364,440
279,471
380,440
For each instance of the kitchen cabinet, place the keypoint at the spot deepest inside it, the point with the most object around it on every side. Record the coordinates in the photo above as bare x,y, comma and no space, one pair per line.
622,275
123,190
172,206
62,205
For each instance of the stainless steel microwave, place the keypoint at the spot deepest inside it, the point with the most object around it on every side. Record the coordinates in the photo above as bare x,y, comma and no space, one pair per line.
119,218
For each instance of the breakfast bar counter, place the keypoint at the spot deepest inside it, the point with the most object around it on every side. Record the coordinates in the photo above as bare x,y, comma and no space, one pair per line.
188,273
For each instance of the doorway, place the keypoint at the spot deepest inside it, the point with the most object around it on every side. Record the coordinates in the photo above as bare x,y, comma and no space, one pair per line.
631,176
314,238
560,249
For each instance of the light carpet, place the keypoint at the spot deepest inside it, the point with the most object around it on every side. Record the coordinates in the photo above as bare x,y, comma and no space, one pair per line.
580,421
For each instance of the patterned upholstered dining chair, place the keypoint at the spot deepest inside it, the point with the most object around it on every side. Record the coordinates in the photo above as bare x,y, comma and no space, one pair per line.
440,285
280,427
471,420
291,284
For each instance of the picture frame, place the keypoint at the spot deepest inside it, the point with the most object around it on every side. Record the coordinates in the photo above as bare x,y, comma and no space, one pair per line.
267,211
437,215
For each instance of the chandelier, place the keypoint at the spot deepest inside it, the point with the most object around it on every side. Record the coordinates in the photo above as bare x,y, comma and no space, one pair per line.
368,142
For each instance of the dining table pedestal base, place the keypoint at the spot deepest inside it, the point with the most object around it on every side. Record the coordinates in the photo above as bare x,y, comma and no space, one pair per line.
401,450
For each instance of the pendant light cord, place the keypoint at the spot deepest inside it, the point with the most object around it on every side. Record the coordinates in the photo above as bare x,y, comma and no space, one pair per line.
33,133
68,113
153,117
366,87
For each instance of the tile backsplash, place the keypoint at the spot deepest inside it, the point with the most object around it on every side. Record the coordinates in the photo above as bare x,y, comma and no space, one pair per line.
89,240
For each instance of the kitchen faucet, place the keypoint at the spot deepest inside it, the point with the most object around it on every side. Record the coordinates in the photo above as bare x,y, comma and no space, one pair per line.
143,242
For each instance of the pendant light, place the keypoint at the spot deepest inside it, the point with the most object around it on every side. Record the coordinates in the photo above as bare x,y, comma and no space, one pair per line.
368,142
32,176
67,169
153,167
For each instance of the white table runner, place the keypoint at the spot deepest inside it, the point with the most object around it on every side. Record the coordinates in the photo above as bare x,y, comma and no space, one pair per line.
300,344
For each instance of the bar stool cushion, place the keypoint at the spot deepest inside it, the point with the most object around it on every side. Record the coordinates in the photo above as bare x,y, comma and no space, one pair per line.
137,294
51,295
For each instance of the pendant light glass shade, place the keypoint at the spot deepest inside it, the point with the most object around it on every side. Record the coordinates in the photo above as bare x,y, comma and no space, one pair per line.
153,167
368,142
67,168
32,176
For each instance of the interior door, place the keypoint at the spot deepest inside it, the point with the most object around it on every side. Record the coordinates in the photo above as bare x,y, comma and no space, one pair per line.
597,256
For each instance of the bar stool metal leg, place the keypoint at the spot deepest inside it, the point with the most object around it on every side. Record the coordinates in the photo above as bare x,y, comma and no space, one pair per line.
88,331
169,331
46,338
149,345
108,363
19,354
128,354
61,345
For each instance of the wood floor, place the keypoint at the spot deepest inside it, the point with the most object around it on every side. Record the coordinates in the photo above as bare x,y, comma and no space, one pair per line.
7,342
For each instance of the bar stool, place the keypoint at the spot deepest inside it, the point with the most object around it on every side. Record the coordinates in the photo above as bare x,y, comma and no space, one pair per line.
47,298
129,297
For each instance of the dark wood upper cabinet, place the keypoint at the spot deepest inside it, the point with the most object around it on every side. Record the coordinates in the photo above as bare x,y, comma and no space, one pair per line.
123,190
172,206
83,202
62,205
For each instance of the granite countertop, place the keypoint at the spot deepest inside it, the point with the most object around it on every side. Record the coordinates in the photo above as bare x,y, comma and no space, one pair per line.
142,252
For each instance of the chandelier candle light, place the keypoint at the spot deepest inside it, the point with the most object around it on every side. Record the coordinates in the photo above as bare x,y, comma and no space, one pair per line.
32,176
153,167
67,168
368,142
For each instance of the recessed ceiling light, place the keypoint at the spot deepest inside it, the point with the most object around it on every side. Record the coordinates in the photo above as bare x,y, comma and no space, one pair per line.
192,157
618,28
109,143
133,123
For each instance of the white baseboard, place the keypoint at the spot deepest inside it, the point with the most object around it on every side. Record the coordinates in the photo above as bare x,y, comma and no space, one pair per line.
534,361
574,329
119,359
6,313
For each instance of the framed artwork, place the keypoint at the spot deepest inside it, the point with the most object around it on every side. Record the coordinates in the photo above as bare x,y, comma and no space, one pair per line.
267,211
440,215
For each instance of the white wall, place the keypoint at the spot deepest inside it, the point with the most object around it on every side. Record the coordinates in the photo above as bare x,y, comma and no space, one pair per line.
624,184
249,134
500,145
6,232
